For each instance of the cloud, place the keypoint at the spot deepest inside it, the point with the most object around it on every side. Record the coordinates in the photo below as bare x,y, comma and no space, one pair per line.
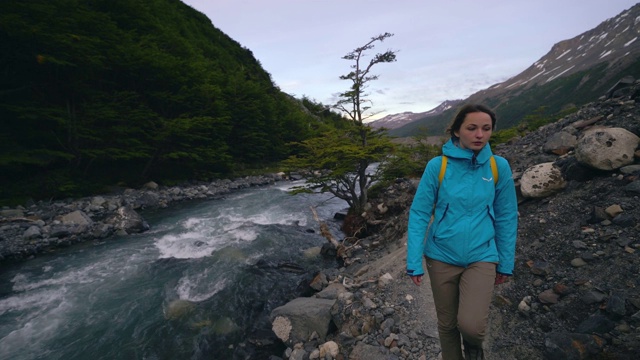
445,49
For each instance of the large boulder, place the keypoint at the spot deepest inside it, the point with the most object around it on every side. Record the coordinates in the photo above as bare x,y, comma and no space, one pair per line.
563,346
607,148
541,181
75,222
77,217
561,142
298,319
128,220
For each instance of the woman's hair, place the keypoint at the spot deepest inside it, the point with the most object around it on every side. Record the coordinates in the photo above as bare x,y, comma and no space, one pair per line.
467,109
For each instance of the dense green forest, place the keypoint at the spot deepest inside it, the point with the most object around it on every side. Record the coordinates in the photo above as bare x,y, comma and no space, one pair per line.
102,92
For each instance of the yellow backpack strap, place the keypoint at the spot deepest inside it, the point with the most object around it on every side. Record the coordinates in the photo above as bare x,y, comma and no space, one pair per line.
494,169
443,168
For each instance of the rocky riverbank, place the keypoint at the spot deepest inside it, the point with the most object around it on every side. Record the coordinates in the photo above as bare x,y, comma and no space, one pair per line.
42,227
575,293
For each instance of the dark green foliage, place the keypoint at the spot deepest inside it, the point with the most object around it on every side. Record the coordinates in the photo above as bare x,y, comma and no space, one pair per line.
331,160
502,136
410,159
529,123
106,91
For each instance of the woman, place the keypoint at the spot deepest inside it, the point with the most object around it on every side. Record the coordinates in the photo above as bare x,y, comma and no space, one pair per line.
470,242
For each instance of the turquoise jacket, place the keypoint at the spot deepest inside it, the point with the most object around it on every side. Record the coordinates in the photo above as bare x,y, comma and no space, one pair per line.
474,220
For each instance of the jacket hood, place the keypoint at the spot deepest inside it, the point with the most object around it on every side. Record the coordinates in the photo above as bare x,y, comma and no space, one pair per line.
452,149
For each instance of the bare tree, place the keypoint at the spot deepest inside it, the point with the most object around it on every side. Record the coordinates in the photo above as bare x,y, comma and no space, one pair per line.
344,155
354,104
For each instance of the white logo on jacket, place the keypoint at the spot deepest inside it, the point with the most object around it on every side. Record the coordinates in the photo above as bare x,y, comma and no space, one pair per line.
485,179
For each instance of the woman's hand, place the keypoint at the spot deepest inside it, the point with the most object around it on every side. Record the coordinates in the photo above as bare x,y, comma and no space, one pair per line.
500,278
416,279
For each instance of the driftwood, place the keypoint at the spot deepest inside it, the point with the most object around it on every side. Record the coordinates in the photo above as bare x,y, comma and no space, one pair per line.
17,219
356,284
341,250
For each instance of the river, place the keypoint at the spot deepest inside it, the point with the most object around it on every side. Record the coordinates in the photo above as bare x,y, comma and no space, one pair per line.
199,285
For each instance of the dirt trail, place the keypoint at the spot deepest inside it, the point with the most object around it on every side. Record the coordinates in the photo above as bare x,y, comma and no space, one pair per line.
420,312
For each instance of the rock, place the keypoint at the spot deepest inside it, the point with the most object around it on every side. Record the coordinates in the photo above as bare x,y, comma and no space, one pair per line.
593,296
369,352
597,215
147,199
607,148
560,143
150,185
571,346
596,324
548,297
613,210
579,245
331,292
319,282
616,305
630,169
561,289
572,169
98,201
578,262
128,220
330,348
539,267
541,180
76,218
385,280
32,232
625,220
296,320
633,187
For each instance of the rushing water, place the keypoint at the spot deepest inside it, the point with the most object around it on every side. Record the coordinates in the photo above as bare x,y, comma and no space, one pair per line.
199,285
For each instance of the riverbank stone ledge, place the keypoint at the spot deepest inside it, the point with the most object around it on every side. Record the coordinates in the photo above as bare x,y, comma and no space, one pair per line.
44,226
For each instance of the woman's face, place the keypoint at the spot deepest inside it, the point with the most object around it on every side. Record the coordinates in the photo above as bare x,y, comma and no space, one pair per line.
475,131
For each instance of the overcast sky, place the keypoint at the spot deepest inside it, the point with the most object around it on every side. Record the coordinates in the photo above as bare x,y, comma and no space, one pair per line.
446,49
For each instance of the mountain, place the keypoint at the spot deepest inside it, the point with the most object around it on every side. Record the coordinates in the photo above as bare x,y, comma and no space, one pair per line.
574,72
395,121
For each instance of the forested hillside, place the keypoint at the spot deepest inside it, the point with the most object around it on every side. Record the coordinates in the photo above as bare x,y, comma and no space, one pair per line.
100,92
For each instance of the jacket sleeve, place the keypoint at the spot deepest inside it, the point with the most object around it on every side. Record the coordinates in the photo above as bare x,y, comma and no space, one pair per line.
505,207
420,216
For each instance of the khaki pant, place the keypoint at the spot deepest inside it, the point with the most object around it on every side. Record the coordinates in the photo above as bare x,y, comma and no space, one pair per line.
462,297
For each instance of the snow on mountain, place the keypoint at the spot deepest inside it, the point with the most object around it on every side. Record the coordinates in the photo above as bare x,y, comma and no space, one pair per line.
614,42
398,120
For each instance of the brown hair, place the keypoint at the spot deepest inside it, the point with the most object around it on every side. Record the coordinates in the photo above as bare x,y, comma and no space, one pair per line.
467,109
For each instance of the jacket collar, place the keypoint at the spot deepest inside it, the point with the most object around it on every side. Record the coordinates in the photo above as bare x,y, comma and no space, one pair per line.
451,149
